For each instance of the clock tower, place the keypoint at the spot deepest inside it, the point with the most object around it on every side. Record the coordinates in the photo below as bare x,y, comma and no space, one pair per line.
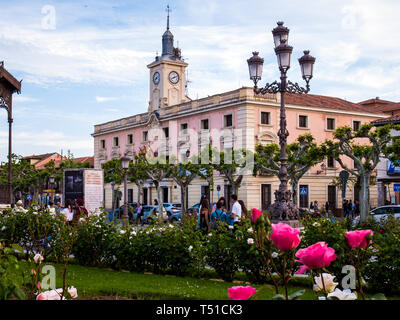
167,75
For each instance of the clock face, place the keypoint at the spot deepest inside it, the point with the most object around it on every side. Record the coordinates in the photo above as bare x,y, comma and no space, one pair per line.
156,78
173,77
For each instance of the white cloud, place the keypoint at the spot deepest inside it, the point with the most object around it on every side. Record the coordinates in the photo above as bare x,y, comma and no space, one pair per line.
105,99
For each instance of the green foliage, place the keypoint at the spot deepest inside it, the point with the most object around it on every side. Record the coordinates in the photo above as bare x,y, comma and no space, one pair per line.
8,265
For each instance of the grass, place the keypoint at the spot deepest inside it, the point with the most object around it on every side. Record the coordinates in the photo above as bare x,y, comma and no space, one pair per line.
93,282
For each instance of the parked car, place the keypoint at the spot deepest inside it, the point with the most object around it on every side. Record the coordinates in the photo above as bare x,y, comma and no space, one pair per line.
197,206
150,213
380,213
178,216
120,211
172,208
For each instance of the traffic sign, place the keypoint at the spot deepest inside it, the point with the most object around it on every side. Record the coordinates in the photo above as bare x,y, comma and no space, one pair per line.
396,187
303,191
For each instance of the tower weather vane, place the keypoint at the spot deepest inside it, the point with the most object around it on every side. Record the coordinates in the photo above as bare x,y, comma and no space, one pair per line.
168,10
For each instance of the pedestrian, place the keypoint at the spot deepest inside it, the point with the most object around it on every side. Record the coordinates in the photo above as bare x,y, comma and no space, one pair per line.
80,210
155,202
357,208
68,211
311,205
20,207
204,220
236,212
139,212
244,209
217,217
59,207
51,208
345,208
223,205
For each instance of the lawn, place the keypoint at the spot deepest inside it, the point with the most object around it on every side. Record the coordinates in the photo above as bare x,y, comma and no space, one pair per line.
94,282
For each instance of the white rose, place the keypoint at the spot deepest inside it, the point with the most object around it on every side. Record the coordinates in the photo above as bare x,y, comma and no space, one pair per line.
274,254
316,224
330,285
210,234
38,257
122,232
250,230
346,294
73,292
250,240
190,248
230,227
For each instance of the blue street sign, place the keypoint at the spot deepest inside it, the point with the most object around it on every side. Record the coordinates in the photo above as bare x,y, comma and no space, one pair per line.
28,197
303,191
392,169
396,187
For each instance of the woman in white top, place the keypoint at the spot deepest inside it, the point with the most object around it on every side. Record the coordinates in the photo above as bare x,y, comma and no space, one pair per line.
68,211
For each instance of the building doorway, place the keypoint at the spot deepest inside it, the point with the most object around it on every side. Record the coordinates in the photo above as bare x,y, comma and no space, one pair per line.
265,196
332,197
227,195
165,194
304,201
205,190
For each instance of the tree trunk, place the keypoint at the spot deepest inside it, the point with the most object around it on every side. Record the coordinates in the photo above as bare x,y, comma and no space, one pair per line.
112,198
183,197
364,197
295,187
139,192
160,203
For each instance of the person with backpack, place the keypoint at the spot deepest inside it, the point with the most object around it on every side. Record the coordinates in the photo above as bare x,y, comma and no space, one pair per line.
217,217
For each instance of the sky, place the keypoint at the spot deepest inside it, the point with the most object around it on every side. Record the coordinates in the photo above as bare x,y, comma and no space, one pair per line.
84,62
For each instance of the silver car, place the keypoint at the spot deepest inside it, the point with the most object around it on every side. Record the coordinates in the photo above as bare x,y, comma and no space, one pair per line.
381,213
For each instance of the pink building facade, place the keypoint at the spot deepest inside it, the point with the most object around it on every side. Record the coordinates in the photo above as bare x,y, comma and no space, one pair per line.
237,119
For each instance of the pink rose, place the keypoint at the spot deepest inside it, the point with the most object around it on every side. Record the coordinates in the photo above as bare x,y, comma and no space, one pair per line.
284,236
255,215
39,285
358,238
241,293
317,256
41,296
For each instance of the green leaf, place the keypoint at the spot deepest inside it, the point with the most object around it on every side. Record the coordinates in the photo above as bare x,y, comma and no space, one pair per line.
378,296
279,297
296,295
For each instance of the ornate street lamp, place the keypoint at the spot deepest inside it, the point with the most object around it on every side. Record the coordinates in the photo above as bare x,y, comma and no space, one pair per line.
51,182
283,208
125,165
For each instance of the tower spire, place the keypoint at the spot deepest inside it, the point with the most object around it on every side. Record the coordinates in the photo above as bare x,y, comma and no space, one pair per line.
168,11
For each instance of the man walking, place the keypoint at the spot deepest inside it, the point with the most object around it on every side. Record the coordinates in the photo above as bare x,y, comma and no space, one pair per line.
236,212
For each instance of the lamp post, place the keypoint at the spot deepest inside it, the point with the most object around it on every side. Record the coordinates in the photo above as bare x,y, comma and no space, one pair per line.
125,165
51,181
283,208
4,105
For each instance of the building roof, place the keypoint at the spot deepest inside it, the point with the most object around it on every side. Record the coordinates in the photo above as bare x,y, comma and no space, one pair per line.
38,156
386,106
85,159
318,101
395,119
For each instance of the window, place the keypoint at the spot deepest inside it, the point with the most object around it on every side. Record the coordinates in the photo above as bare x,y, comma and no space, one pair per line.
103,144
330,123
116,142
166,132
303,121
265,196
145,136
228,121
204,124
184,127
130,195
331,162
303,191
130,139
356,125
265,117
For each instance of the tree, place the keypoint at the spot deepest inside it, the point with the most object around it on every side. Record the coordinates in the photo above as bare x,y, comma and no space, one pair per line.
233,166
138,175
365,156
302,155
183,174
157,169
113,173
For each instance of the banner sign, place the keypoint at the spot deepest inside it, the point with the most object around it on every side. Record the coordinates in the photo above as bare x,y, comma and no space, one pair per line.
392,169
